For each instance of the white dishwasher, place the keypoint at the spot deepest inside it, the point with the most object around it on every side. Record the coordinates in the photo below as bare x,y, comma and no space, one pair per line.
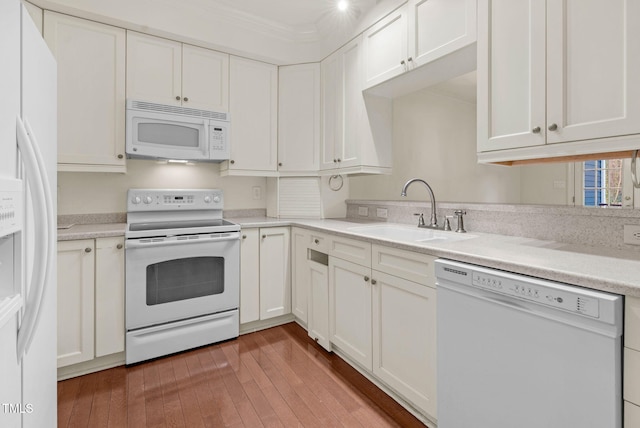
520,352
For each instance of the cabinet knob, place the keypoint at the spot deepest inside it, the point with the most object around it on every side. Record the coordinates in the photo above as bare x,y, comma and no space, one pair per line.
177,98
536,130
185,99
120,156
264,236
232,161
119,246
279,163
402,62
339,160
366,279
374,282
244,236
87,250
335,161
316,241
410,59
553,127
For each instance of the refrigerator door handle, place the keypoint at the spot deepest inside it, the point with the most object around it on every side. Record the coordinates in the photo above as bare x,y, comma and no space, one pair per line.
43,213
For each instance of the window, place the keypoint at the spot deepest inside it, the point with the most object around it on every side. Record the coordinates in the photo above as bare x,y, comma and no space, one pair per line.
603,183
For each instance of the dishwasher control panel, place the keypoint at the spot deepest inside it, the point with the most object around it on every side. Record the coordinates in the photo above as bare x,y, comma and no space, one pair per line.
545,295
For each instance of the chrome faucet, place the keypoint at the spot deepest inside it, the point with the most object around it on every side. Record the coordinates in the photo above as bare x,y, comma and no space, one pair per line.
433,222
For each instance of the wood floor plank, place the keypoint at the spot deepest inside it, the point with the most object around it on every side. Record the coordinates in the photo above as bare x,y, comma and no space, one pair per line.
273,378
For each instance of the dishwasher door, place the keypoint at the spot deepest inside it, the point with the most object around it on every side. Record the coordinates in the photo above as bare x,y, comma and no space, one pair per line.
514,362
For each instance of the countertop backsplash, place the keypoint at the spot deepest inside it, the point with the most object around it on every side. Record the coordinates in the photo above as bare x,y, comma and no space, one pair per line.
572,225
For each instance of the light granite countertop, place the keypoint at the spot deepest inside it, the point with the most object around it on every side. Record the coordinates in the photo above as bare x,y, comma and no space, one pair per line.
597,268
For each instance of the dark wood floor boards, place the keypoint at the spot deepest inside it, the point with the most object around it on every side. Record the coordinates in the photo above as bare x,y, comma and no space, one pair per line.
272,378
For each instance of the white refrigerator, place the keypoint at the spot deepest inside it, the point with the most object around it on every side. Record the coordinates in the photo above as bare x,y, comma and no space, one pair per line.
28,183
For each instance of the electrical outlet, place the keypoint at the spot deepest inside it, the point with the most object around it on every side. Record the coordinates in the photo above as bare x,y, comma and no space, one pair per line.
381,212
363,211
632,234
257,192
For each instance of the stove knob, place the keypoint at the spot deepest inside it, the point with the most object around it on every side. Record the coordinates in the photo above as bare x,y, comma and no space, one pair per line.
216,199
148,199
136,199
207,199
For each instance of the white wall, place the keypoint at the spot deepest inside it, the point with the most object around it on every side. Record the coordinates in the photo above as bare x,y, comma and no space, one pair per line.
89,193
434,138
549,184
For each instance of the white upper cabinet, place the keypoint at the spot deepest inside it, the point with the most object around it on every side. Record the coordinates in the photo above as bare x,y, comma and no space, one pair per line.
546,76
254,118
299,119
349,141
415,34
168,72
91,92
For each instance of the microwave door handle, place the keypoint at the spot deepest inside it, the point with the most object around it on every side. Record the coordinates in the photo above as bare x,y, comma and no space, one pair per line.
43,223
207,144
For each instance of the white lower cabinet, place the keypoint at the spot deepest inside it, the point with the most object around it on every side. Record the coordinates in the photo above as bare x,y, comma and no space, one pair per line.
318,315
300,274
265,274
631,415
350,310
90,299
631,392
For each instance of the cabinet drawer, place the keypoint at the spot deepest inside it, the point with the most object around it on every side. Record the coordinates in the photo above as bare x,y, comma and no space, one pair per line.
319,242
632,376
631,415
351,250
415,267
632,323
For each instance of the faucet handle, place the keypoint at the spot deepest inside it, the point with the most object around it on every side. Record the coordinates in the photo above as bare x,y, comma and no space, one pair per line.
460,213
447,223
420,219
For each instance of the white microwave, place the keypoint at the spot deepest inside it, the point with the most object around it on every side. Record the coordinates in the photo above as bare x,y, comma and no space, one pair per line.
158,131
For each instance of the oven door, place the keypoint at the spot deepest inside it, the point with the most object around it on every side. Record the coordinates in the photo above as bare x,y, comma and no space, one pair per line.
167,136
180,277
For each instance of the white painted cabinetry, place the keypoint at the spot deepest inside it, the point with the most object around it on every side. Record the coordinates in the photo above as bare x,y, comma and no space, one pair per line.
300,275
76,314
546,77
90,299
299,119
169,72
91,93
415,34
254,118
318,317
109,296
349,143
265,274
631,381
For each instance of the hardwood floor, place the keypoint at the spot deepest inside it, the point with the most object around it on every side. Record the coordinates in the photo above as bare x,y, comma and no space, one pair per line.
273,378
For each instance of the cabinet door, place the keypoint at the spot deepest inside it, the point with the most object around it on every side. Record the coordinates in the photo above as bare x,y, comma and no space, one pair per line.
275,272
631,415
354,119
300,240
75,301
91,92
404,338
250,276
254,115
299,118
350,310
511,74
109,300
439,27
593,77
205,79
318,324
154,69
332,108
385,48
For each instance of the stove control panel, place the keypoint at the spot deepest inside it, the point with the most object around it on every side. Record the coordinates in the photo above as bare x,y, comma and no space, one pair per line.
171,200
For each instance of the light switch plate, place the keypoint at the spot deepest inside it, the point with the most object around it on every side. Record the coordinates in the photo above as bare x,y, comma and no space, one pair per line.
363,211
632,234
381,212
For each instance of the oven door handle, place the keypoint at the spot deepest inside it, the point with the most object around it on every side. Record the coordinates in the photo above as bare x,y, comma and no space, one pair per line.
149,243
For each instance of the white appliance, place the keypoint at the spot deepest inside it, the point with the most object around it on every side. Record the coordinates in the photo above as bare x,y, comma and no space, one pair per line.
159,131
182,274
28,394
516,351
